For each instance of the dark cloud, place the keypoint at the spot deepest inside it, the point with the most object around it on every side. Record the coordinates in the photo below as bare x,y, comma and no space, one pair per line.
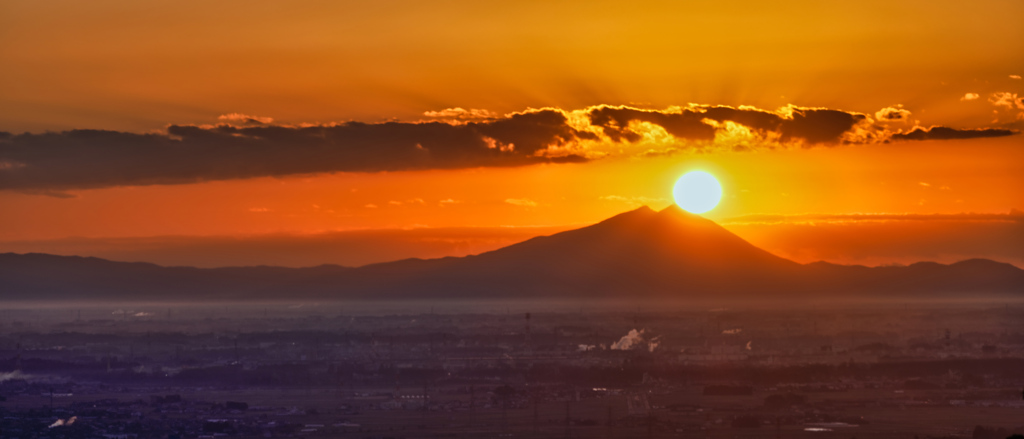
251,146
812,125
945,133
817,125
614,122
753,118
48,193
96,158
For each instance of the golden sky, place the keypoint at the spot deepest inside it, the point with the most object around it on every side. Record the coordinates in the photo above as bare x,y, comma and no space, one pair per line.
242,119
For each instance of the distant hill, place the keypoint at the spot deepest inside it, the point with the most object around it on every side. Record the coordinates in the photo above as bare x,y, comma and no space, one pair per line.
637,254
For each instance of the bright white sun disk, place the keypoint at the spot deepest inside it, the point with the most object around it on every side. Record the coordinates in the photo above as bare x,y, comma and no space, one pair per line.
697,192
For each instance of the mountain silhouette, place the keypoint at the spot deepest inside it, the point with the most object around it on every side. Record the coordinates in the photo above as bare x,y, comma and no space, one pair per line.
656,252
641,253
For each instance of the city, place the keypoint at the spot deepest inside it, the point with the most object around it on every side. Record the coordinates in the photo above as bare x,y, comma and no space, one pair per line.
512,370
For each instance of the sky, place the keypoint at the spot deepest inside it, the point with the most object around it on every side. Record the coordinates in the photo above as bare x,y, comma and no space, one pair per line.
300,133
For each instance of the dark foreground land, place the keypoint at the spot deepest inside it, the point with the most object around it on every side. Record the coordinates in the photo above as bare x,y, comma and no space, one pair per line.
414,370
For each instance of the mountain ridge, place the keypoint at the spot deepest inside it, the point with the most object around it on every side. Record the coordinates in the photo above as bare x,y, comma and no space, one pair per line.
656,254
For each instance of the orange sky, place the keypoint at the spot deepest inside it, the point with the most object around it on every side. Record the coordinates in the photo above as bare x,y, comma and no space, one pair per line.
164,67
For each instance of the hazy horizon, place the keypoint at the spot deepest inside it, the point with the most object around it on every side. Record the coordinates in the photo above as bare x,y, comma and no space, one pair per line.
803,238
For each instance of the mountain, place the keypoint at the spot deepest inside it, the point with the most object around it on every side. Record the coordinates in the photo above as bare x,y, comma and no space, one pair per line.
641,253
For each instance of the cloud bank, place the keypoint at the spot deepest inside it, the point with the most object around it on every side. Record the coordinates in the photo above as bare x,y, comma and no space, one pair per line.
898,238
244,146
944,133
347,248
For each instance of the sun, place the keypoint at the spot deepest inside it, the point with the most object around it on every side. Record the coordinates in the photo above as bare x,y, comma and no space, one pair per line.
697,192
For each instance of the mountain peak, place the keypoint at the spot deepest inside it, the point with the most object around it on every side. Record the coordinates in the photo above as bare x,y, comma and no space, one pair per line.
637,215
642,211
676,213
672,217
674,209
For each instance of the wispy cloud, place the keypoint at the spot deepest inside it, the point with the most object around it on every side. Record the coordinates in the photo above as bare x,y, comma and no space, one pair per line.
1007,100
245,119
633,200
896,238
460,114
521,202
895,113
1012,216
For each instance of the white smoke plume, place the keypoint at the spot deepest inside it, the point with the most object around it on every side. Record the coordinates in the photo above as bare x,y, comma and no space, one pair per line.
629,341
19,375
61,422
634,340
16,375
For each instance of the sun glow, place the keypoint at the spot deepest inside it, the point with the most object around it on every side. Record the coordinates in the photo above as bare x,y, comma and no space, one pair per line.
697,192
